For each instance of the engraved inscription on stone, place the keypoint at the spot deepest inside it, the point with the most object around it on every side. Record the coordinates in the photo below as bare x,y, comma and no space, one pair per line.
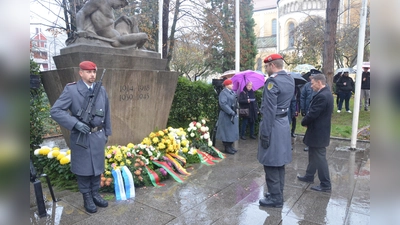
134,92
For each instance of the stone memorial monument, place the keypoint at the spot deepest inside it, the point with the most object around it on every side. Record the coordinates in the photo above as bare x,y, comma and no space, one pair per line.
140,89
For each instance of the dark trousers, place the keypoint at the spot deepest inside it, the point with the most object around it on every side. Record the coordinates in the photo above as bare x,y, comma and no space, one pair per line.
293,125
317,161
245,121
88,183
344,96
275,179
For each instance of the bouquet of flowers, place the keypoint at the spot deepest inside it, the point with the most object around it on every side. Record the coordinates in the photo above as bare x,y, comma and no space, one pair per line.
199,136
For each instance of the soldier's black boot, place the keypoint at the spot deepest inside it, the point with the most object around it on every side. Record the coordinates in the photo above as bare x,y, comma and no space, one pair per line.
228,149
274,200
98,200
88,203
232,148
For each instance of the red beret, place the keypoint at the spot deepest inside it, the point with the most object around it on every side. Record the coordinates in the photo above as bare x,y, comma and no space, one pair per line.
87,65
272,57
227,82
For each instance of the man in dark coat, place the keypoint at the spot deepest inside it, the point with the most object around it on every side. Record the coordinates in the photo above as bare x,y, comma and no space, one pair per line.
86,163
317,137
345,87
365,88
274,147
307,93
228,120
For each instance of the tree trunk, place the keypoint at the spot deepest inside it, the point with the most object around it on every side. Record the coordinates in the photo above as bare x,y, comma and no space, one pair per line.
172,36
165,29
329,39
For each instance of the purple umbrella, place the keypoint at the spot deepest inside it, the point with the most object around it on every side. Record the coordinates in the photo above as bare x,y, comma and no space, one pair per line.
240,80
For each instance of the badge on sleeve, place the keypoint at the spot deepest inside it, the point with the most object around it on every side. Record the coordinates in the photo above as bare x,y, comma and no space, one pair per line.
270,85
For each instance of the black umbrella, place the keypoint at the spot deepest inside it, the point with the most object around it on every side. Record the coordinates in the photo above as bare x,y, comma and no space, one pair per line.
298,79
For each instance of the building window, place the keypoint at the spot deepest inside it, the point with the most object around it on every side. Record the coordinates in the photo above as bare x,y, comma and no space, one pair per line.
273,27
291,35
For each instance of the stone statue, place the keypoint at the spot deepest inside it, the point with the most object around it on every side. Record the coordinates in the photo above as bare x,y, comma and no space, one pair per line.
96,25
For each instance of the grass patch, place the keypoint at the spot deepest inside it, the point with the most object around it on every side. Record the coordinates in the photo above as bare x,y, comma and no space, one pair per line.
341,122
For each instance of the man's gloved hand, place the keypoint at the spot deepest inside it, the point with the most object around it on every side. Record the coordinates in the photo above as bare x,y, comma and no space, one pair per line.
264,141
303,113
82,127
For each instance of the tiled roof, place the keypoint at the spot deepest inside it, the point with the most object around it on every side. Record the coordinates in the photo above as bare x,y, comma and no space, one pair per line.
266,42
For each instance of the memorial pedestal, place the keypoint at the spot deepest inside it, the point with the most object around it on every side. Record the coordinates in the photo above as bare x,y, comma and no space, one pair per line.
139,88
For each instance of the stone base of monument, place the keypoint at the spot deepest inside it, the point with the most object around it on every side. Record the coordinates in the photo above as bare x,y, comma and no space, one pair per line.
139,88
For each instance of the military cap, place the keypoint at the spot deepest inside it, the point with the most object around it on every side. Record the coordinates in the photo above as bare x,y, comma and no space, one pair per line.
227,82
272,57
87,65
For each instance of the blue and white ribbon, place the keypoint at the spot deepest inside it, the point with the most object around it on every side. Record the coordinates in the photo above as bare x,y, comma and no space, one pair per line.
118,185
128,180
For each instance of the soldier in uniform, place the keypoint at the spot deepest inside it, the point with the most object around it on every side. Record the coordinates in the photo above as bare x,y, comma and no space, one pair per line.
86,163
274,147
228,121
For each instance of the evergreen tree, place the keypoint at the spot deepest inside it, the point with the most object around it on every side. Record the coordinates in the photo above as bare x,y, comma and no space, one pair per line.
248,48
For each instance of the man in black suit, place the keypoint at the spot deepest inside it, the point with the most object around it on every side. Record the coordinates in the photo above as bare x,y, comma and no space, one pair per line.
317,137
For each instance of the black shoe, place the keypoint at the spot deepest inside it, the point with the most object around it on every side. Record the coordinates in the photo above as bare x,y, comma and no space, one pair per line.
320,188
253,137
270,202
229,151
305,179
88,203
242,137
293,135
306,149
268,195
233,149
98,200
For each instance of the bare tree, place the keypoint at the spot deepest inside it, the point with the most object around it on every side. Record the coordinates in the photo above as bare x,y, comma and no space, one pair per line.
332,10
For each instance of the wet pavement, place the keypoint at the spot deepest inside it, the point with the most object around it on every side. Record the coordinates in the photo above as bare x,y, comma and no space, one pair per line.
228,193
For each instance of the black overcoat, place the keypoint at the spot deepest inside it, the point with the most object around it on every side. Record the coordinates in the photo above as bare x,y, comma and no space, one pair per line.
318,119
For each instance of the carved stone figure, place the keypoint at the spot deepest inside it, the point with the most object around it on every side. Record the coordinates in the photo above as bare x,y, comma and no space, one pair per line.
96,25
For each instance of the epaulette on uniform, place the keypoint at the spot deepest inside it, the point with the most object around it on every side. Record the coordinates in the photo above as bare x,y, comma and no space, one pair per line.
71,83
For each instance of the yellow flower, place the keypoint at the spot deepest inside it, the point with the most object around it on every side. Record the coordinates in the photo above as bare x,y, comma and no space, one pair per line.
118,157
161,133
65,160
184,143
184,150
170,148
44,150
146,141
56,153
108,172
161,146
68,152
130,145
128,162
155,140
61,155
56,148
122,164
152,134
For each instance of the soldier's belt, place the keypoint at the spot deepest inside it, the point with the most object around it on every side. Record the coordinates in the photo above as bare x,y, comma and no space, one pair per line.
281,115
94,129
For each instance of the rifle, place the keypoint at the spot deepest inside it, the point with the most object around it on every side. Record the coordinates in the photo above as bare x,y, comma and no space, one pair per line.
86,114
